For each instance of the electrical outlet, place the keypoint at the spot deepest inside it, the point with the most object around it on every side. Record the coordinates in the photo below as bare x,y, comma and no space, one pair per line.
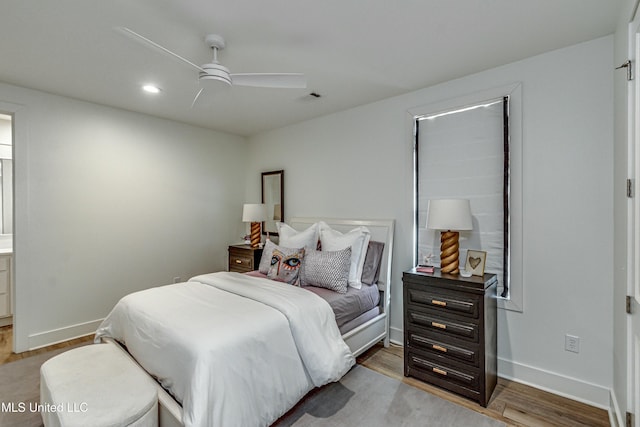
177,280
572,343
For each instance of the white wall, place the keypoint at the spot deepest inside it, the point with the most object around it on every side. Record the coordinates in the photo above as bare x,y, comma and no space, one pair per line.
109,202
358,164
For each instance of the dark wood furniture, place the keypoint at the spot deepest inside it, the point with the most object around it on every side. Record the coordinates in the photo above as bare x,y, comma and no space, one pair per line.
450,332
243,258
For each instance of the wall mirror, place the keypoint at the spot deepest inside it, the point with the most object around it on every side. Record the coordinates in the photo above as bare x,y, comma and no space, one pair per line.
273,197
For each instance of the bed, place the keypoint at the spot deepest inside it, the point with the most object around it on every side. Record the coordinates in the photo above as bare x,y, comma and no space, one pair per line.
376,329
273,342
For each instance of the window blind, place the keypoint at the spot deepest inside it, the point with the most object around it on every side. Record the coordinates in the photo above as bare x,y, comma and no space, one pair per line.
460,153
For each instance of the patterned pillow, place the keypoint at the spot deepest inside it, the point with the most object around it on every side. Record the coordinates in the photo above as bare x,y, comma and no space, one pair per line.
357,239
327,269
265,261
285,265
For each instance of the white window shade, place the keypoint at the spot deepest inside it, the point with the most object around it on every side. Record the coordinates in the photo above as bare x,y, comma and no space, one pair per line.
461,156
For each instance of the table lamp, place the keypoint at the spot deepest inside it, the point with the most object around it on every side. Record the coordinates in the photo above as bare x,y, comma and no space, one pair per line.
254,213
449,216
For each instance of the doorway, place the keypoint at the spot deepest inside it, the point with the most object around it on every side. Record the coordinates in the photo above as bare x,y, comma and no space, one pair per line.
6,219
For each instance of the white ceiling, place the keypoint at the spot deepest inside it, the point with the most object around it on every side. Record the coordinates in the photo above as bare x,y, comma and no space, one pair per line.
352,52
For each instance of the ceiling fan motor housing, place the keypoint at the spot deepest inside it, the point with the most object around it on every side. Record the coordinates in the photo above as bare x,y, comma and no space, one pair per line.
215,73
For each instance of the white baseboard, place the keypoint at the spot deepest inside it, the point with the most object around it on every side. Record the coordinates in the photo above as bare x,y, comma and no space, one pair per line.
43,339
396,336
562,385
6,321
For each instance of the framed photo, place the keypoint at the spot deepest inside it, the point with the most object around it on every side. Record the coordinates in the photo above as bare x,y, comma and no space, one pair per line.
475,262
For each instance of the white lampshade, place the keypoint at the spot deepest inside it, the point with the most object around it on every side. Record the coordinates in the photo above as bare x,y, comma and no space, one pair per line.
254,212
449,214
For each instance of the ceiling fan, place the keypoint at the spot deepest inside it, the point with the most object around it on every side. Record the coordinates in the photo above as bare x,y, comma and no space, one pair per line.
215,72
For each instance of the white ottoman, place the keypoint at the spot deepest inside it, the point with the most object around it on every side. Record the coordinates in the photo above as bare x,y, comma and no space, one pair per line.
96,385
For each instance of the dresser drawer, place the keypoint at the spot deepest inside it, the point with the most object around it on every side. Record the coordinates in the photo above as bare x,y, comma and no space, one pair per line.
442,324
445,302
459,380
441,345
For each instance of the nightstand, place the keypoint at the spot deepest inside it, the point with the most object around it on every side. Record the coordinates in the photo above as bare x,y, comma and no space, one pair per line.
243,258
450,332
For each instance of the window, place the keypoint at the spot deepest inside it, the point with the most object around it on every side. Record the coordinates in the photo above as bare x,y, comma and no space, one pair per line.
464,149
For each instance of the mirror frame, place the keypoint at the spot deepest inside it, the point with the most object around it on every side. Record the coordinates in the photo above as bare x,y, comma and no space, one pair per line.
265,176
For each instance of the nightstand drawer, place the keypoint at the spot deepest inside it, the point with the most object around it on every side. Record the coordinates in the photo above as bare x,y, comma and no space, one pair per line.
443,325
452,378
449,302
240,262
443,346
243,258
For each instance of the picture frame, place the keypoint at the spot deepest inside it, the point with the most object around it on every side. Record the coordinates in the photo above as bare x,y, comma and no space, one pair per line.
475,262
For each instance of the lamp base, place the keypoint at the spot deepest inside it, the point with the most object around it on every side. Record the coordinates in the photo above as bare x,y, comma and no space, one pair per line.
255,234
449,254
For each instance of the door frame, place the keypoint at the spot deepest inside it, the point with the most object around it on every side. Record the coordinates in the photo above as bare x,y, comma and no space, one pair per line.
633,224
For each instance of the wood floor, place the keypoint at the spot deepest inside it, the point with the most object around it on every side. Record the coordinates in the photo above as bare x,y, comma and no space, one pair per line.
6,345
513,403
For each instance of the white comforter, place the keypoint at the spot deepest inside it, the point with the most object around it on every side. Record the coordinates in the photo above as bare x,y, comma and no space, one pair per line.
234,350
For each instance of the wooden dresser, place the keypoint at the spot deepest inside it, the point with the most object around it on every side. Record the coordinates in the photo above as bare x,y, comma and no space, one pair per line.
243,258
450,332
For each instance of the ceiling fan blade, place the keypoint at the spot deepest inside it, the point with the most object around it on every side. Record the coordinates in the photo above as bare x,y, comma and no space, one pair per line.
273,80
150,43
195,99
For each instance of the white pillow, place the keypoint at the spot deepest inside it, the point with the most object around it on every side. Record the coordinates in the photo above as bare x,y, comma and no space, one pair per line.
292,238
357,239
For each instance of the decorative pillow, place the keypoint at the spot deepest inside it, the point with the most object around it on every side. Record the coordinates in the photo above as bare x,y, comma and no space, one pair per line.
265,261
292,238
327,269
285,265
357,239
372,261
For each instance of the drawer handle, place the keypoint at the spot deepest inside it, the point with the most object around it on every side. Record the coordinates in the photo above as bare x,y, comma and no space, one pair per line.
440,371
238,261
438,325
439,348
438,302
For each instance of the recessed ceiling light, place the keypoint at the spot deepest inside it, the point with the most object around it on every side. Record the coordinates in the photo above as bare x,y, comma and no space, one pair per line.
151,88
